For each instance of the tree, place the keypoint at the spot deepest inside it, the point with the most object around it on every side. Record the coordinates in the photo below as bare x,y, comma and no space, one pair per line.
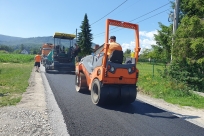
127,53
188,52
164,42
192,7
145,54
158,53
34,50
188,63
6,48
85,37
17,51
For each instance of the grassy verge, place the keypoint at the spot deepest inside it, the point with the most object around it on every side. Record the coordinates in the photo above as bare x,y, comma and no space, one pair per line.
15,70
13,82
151,83
15,58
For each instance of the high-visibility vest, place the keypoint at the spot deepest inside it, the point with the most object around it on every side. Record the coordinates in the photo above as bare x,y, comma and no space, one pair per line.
132,54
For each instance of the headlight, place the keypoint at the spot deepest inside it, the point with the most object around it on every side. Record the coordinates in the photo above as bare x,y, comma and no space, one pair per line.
98,72
112,69
129,70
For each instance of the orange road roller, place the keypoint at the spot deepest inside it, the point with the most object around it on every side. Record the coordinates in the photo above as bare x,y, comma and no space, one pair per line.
111,79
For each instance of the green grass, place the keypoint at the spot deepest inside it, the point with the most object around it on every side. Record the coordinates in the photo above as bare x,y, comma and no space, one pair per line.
15,70
13,81
152,83
16,58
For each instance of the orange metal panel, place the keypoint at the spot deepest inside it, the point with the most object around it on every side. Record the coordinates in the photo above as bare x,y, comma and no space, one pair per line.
111,78
124,25
120,81
121,72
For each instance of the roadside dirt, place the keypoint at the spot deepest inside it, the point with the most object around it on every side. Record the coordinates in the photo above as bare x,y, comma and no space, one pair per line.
193,115
30,115
34,97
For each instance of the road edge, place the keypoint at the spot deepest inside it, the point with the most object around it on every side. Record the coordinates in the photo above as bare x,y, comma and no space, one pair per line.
55,116
183,112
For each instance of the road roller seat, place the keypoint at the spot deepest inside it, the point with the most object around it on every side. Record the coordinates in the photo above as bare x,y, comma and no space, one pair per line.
116,57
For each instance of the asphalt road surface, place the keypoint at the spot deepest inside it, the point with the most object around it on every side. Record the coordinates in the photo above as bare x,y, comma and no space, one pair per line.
83,118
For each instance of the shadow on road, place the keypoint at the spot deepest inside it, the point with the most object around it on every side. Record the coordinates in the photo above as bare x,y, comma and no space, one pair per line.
86,92
139,107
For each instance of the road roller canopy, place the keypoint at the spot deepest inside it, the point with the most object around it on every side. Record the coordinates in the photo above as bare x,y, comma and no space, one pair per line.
64,36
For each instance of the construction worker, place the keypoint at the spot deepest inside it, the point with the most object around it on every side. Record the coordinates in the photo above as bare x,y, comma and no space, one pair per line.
76,51
113,45
96,47
37,62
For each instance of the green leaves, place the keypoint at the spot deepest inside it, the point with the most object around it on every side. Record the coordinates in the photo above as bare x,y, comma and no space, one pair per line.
188,46
85,37
197,46
164,42
192,7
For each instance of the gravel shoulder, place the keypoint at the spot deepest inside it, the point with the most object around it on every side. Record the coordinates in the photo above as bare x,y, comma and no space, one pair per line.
36,114
193,115
39,114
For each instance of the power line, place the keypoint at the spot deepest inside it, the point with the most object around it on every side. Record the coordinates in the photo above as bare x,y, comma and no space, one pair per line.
128,7
139,17
151,11
153,15
147,18
138,22
110,12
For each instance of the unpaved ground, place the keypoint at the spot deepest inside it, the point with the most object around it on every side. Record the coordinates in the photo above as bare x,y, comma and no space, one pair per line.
33,114
190,114
30,116
36,115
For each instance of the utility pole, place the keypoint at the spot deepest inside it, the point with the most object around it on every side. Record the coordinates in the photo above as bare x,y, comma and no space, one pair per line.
177,2
171,16
175,18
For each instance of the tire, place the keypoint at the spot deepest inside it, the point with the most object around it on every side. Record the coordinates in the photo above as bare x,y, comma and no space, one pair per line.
113,94
128,94
80,82
98,93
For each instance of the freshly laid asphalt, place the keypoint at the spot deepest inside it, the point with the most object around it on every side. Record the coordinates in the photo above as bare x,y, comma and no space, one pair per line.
83,118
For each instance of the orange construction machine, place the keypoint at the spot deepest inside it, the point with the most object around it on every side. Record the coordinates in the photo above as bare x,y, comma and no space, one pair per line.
45,50
109,79
59,58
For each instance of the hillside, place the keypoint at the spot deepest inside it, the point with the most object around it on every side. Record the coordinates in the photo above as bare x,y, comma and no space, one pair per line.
32,41
10,40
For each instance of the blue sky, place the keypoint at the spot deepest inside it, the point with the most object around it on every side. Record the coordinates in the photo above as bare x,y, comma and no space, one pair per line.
33,18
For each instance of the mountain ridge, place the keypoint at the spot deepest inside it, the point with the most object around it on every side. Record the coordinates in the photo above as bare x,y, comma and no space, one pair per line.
11,40
31,41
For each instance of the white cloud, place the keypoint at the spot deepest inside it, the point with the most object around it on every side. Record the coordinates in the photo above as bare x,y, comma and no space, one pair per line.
148,34
130,46
146,40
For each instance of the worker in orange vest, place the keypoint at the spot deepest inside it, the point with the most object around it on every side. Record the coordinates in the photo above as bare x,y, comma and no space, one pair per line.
113,46
37,62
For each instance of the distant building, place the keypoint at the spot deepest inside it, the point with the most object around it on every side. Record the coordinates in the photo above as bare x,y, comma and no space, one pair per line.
24,51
